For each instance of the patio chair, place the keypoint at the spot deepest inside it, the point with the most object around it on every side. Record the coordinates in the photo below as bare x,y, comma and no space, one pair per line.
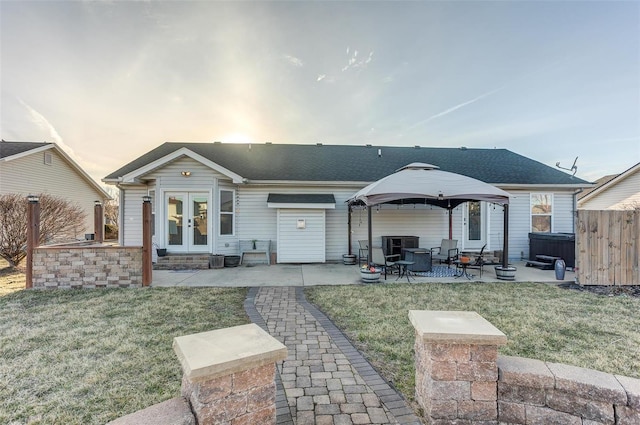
447,252
478,263
387,262
363,251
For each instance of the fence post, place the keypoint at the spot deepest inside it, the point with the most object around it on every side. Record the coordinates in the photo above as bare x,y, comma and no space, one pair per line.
146,241
33,235
98,222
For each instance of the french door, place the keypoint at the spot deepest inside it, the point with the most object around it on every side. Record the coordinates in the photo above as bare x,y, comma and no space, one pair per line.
475,224
187,221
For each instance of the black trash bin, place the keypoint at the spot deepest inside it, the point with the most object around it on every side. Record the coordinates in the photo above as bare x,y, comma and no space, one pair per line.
231,260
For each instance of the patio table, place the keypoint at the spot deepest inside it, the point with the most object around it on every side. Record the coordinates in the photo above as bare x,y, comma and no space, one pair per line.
404,270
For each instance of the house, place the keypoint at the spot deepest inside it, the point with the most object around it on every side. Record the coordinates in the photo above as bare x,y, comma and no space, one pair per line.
616,192
41,167
206,197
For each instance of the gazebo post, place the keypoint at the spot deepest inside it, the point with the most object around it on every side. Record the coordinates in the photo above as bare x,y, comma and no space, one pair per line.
369,234
349,228
505,244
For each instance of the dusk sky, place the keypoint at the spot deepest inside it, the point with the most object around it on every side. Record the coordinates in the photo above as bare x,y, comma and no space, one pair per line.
110,80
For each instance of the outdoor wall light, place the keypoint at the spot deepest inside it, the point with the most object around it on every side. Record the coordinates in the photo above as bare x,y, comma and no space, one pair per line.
185,173
33,198
146,198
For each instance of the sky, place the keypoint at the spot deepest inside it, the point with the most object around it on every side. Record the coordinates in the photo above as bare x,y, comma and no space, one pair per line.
111,80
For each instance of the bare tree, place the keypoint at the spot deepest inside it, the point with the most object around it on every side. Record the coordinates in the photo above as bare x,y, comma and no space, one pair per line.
111,207
58,219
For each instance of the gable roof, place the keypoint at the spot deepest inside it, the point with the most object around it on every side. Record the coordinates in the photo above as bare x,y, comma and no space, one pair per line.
14,150
9,149
350,163
602,180
610,183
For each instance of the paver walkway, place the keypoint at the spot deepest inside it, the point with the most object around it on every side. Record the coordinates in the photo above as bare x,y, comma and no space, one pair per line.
324,380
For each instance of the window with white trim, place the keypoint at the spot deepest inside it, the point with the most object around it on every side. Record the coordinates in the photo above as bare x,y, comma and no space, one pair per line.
541,212
227,212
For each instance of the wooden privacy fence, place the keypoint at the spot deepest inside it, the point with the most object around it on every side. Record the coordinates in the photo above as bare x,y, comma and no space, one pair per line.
608,247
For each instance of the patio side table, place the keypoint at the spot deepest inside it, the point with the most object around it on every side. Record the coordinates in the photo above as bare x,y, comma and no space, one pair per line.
404,271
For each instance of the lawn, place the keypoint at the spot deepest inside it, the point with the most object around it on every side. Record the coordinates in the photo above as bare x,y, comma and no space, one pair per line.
540,321
90,356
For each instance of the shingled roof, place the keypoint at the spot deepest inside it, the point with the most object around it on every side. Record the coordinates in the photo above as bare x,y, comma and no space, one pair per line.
14,148
358,163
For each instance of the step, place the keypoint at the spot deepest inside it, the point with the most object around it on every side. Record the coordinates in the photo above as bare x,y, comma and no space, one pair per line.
182,262
547,258
540,265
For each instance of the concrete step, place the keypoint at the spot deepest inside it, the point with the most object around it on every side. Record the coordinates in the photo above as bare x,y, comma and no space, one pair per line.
182,262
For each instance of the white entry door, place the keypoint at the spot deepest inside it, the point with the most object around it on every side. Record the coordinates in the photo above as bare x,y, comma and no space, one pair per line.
475,224
187,221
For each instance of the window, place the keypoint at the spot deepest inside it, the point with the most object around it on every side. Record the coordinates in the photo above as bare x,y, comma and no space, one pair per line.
48,159
226,212
541,212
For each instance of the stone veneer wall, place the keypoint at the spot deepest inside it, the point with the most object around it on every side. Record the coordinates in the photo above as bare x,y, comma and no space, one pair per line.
534,392
461,380
87,267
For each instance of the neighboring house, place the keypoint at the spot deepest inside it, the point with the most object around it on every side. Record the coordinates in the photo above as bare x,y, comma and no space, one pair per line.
208,196
616,192
40,167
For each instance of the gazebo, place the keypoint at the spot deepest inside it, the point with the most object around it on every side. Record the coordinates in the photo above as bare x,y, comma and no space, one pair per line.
419,183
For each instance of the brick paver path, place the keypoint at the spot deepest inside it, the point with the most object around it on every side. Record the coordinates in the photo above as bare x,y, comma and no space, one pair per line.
324,380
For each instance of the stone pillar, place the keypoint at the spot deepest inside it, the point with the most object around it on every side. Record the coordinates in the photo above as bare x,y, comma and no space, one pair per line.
229,374
456,356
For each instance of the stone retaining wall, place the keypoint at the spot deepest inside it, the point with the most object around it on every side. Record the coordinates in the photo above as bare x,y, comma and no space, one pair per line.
534,392
87,267
460,380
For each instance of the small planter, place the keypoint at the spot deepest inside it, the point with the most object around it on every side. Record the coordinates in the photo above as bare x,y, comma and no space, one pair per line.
368,276
348,259
506,273
216,261
231,260
162,252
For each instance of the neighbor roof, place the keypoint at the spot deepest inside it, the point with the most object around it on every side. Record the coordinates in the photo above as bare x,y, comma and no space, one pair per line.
286,162
8,149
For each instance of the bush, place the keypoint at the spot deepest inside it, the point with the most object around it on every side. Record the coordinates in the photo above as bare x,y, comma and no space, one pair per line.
58,218
110,231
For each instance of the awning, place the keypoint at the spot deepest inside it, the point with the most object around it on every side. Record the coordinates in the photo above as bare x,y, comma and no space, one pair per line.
301,200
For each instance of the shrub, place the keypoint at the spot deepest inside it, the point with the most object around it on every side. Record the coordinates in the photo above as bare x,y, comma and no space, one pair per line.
58,218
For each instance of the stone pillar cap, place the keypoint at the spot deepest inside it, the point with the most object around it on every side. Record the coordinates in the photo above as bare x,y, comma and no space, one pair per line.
455,327
212,354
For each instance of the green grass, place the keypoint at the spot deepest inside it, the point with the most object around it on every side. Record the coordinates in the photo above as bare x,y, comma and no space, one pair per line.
540,321
91,356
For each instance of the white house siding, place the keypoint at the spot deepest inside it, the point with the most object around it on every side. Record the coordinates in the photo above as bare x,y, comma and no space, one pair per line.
132,209
169,178
256,221
430,224
297,245
30,175
619,196
520,220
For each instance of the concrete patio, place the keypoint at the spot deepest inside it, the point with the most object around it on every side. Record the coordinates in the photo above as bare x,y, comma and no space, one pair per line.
325,274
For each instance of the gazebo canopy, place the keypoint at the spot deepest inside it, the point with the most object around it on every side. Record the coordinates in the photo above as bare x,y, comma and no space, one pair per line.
419,183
